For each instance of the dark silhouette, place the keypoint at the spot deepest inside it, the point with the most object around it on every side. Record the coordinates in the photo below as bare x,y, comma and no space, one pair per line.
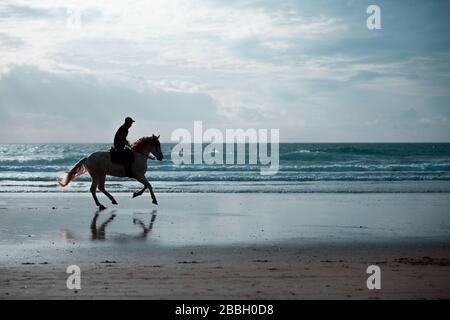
120,142
145,230
120,139
99,233
101,164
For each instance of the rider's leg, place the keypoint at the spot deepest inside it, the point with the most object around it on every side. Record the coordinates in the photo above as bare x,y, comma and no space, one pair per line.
129,159
128,171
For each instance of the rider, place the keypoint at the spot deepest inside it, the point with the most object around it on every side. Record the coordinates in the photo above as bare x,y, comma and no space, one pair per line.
120,141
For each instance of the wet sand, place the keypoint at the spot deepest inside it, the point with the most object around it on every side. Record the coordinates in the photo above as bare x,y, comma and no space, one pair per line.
226,246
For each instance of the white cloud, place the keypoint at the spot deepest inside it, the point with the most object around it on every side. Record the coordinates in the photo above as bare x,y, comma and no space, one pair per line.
259,63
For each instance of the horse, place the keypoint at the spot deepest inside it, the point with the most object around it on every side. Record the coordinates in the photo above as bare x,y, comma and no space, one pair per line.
99,165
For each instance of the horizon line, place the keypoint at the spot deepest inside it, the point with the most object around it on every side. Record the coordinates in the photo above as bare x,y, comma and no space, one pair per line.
366,142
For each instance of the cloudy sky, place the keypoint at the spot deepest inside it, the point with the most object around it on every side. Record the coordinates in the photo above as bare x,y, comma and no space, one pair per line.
310,68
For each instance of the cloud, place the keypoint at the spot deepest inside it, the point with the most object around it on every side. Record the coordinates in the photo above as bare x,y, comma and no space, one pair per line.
310,68
26,11
37,102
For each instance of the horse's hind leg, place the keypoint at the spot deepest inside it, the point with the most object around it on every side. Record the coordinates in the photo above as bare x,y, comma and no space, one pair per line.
93,192
101,187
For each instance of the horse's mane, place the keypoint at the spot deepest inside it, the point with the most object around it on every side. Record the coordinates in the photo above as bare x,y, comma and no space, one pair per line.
139,144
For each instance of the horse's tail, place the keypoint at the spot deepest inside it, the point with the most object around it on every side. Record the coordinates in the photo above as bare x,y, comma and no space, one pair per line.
77,170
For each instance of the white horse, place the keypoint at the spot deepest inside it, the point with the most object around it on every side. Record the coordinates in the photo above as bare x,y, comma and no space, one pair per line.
99,165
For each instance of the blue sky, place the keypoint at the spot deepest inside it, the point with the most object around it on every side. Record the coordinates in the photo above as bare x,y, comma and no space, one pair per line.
309,68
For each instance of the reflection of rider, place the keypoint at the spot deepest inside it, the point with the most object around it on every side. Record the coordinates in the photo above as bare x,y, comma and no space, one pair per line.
120,141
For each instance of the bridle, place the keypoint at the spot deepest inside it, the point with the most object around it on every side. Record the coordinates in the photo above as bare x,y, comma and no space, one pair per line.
152,157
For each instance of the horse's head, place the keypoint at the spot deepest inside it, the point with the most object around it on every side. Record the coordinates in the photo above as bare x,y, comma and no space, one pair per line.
149,145
156,148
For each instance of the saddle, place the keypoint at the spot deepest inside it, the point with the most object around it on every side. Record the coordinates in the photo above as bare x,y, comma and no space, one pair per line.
125,157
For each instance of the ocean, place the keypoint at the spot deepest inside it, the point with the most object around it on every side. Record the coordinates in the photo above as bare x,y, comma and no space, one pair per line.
304,168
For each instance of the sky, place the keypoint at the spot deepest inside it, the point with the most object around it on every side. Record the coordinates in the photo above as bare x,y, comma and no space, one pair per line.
71,71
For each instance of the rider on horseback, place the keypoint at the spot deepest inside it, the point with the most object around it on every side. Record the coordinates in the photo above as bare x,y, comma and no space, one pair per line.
120,141
102,163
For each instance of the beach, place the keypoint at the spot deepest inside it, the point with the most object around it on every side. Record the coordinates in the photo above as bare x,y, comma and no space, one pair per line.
226,246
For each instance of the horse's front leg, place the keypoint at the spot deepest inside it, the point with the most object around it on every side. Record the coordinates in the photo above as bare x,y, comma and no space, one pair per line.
144,181
139,193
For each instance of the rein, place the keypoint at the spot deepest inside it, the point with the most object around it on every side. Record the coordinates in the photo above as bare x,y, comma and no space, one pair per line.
151,158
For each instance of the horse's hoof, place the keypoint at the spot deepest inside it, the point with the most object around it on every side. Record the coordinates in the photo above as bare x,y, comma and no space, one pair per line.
155,202
114,202
101,207
135,195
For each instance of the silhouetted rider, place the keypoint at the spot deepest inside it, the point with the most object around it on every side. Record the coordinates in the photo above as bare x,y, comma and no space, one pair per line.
120,141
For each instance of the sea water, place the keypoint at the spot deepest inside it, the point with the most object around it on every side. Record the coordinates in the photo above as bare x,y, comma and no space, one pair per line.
303,168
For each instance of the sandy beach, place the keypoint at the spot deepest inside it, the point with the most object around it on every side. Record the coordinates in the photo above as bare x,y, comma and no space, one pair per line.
226,246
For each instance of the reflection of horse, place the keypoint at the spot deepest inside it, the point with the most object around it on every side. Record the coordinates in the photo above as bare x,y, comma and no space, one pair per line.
99,165
146,230
100,232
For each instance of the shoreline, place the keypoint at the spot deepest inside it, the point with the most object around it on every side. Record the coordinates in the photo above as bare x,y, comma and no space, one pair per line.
124,186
